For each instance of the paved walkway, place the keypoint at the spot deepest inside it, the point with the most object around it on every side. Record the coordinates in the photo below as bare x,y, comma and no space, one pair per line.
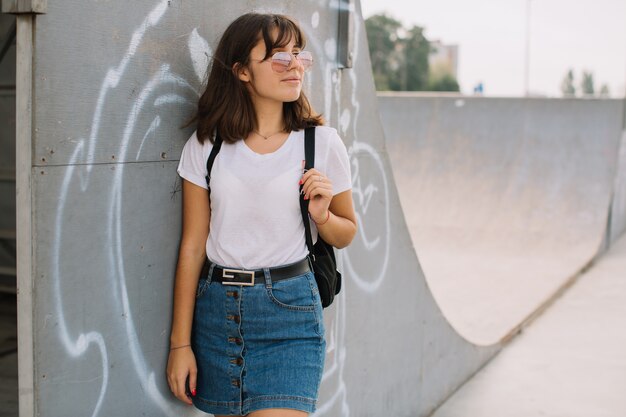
570,362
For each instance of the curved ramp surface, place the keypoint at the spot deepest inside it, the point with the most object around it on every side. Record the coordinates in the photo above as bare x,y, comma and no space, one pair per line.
105,213
505,199
569,362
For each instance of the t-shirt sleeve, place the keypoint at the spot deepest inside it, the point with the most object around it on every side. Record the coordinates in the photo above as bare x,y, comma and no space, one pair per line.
192,164
338,164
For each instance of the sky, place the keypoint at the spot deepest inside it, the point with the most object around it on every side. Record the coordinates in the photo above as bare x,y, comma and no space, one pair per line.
582,35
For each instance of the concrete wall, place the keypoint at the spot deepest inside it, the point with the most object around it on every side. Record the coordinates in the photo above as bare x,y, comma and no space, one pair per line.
506,199
111,83
617,216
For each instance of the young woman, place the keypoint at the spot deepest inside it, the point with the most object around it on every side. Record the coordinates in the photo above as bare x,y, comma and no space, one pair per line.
248,338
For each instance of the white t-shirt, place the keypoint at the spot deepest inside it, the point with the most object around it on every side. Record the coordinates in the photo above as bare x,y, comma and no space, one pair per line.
256,220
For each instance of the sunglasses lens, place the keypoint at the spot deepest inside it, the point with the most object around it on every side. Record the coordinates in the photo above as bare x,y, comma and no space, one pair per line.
281,61
306,59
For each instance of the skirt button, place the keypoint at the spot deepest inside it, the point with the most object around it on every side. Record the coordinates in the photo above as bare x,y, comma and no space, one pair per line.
237,361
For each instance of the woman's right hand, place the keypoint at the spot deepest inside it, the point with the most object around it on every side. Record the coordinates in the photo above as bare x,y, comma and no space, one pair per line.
180,365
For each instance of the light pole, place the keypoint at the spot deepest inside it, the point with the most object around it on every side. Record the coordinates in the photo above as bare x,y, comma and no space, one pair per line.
527,58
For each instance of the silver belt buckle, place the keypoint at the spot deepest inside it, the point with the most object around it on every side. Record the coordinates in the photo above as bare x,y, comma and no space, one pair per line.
230,274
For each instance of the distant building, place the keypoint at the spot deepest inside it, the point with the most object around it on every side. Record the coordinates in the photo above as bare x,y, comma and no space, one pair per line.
444,58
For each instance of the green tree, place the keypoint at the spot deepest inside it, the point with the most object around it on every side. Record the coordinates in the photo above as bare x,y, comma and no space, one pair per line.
400,57
586,84
416,50
383,33
567,85
444,82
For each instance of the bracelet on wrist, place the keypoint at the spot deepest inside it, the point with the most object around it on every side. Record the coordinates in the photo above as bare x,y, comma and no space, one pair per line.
327,217
178,347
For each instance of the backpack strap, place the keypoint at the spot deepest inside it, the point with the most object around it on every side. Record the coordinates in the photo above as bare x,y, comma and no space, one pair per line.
217,145
309,156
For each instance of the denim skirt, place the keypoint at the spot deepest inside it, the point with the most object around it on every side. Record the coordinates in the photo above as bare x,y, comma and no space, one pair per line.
259,346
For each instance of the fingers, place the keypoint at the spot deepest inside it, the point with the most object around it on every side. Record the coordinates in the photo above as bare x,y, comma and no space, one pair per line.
314,183
177,383
193,374
177,386
181,391
319,189
322,190
310,175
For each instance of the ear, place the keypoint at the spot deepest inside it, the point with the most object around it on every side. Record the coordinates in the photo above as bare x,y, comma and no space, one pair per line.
242,72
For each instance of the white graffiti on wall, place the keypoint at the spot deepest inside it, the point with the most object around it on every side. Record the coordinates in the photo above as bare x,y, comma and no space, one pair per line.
111,81
370,191
373,242
325,47
78,347
367,191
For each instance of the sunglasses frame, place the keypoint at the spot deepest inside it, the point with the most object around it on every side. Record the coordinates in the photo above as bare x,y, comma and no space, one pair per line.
280,66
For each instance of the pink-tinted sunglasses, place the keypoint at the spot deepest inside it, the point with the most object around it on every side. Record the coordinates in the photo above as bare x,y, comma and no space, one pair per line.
282,60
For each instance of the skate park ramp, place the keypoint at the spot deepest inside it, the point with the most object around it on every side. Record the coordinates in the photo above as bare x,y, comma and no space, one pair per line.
505,199
98,214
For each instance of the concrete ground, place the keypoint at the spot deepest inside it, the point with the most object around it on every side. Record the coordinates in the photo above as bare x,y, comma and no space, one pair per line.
569,362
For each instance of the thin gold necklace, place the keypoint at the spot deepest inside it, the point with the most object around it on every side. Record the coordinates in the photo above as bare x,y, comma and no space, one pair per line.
267,137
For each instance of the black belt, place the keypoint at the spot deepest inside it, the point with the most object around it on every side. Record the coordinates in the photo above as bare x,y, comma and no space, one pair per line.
231,276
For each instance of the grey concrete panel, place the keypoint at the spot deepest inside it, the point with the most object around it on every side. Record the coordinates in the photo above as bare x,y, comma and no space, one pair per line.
112,85
154,83
505,199
24,6
103,280
25,230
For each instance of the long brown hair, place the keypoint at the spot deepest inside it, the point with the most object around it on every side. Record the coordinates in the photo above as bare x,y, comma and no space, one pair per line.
226,105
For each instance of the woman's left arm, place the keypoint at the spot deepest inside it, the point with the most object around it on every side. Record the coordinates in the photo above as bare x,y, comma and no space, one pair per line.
340,228
333,215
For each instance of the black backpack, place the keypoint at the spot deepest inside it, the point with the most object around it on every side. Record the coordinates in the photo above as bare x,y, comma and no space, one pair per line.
321,254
